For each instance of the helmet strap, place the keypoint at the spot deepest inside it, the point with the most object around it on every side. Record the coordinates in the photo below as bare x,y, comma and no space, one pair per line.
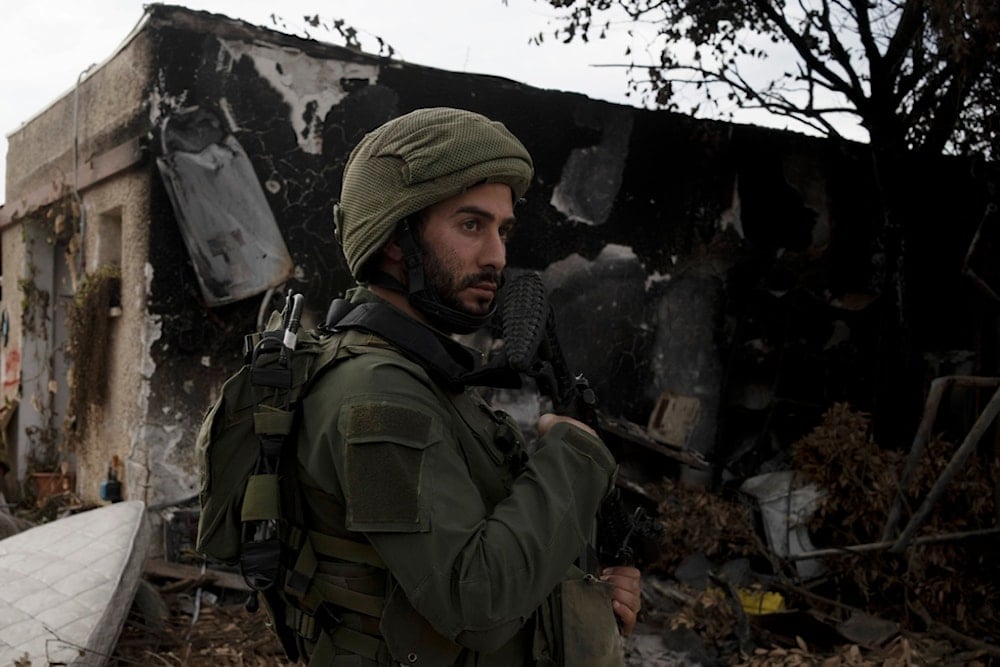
424,298
380,278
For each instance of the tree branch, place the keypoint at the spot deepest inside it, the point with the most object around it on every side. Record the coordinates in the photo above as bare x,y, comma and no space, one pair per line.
920,68
928,97
910,25
949,109
840,53
865,34
780,105
805,52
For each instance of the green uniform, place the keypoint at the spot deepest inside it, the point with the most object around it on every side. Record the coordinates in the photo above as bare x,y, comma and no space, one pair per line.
477,538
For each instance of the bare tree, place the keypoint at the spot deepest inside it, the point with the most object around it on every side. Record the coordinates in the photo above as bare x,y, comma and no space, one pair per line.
920,76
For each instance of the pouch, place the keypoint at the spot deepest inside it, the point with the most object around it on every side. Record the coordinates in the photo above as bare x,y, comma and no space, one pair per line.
576,626
410,638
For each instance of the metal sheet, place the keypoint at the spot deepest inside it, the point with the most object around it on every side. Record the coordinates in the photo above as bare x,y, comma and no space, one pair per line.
230,232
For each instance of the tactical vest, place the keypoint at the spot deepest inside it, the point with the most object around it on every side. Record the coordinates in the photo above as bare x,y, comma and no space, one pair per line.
327,593
356,590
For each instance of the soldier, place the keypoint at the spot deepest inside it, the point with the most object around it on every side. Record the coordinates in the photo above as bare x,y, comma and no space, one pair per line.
439,541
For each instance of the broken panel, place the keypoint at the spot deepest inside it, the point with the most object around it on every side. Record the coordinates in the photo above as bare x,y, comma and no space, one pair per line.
228,228
674,418
592,176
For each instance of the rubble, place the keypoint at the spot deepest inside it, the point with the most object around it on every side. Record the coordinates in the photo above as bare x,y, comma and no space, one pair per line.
951,580
717,592
697,522
935,603
224,633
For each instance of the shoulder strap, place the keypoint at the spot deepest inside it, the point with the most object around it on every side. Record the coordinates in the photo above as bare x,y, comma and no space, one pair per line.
447,365
447,361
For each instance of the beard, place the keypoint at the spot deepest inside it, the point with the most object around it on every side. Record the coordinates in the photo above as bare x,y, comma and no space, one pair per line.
444,278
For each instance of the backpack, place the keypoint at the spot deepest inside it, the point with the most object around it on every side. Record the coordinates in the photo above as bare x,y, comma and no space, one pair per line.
250,509
238,437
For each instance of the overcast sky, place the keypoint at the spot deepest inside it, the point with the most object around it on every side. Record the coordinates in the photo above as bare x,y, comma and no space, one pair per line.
44,46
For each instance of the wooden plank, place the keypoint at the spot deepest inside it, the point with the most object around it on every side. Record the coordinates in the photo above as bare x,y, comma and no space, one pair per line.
160,568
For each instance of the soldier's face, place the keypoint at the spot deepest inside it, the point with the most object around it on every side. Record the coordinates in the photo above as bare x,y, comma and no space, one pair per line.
464,239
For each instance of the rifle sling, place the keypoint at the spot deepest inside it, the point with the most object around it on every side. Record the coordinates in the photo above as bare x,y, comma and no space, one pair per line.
444,359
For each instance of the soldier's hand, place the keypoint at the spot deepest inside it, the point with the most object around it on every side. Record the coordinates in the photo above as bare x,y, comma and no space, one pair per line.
626,598
548,420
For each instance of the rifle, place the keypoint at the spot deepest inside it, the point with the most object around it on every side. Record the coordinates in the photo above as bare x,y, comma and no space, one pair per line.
531,347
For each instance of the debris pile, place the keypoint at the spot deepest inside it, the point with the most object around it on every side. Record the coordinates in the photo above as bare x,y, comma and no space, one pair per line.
955,579
220,634
720,595
901,652
717,591
697,522
860,480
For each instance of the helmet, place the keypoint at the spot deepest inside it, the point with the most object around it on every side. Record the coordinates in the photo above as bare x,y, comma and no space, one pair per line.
416,160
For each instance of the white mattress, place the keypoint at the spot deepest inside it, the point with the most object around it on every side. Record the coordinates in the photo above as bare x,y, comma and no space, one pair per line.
66,586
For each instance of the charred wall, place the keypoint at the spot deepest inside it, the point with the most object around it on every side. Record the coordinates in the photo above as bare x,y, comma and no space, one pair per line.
727,263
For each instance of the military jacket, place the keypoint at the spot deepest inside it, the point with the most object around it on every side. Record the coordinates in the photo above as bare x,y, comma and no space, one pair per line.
476,536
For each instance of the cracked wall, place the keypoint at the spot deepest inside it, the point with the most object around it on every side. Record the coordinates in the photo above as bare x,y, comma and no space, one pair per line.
110,225
691,257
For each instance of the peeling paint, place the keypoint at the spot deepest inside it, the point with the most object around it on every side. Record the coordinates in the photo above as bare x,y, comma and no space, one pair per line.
310,86
733,216
12,369
162,104
139,469
160,465
656,277
227,113
161,459
616,252
168,448
151,331
592,176
556,273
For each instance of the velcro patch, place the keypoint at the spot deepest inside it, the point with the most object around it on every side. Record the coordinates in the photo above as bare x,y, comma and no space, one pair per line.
385,456
392,422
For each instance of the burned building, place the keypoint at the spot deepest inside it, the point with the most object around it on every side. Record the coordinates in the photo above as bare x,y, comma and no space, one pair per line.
712,278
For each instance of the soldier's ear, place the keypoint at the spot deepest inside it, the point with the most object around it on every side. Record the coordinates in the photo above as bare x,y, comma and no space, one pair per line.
392,250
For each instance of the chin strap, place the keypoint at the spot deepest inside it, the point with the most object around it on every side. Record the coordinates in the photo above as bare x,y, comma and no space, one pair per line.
428,301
